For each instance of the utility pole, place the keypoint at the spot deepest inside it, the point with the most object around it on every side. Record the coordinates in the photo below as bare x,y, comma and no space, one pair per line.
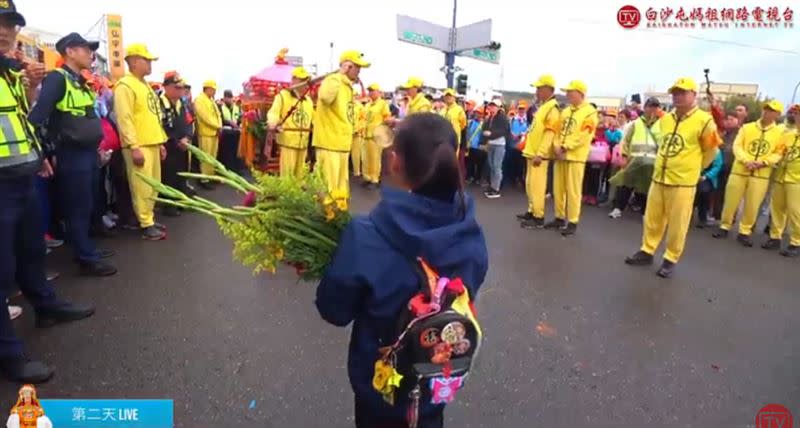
331,57
450,57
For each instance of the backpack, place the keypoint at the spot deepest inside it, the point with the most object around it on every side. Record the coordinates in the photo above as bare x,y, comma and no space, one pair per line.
438,339
599,152
617,159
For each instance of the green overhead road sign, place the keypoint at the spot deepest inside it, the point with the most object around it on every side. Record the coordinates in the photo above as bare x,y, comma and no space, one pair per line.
482,54
423,33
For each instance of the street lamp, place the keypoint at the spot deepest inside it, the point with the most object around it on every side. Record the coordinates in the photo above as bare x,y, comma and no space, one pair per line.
795,92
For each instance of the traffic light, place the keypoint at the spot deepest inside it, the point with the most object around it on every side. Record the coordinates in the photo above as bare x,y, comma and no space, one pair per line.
461,84
494,46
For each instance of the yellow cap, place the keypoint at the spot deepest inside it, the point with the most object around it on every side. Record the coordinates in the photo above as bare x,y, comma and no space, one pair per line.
575,85
139,49
773,105
545,80
450,91
355,57
210,84
685,83
300,73
374,87
412,82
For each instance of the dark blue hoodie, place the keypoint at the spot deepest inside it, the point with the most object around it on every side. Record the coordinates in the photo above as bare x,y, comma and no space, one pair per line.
372,275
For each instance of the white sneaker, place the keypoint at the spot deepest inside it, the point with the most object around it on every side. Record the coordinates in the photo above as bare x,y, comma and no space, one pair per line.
14,312
616,213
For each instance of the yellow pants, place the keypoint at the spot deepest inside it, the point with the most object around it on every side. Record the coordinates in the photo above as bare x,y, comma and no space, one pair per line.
669,209
372,161
142,195
355,153
292,161
536,187
753,190
785,208
568,189
334,168
210,145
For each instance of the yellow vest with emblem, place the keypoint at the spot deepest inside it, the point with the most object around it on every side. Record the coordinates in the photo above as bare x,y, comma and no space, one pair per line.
577,131
76,98
457,118
544,120
18,145
643,141
335,116
146,112
301,118
419,104
360,113
377,112
788,170
755,143
684,145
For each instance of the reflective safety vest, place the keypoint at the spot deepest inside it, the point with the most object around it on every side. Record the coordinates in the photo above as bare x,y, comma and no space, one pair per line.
643,140
230,114
77,98
18,145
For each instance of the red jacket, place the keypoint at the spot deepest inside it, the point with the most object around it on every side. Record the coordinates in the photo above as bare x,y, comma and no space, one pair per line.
110,136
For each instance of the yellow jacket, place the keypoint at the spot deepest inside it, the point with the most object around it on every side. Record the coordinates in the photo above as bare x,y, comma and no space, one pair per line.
301,118
360,113
377,112
788,170
138,113
335,117
209,119
419,104
576,131
755,143
543,131
458,118
685,147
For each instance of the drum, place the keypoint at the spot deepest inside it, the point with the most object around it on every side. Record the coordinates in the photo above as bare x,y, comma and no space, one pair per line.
383,136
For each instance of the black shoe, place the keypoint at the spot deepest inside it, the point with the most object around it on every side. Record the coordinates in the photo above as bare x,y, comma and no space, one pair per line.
365,183
666,270
52,275
171,211
19,369
772,244
533,223
97,269
524,217
153,233
640,258
766,229
160,226
372,186
206,185
67,312
791,251
190,190
556,224
701,224
720,233
492,194
744,240
570,229
104,254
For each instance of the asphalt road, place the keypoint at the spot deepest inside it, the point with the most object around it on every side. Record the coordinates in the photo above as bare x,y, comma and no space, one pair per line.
573,336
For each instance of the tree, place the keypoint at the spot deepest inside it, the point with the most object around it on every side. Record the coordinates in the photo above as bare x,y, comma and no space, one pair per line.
753,105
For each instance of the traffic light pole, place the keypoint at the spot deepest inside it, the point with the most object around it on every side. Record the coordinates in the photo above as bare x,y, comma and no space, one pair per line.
450,57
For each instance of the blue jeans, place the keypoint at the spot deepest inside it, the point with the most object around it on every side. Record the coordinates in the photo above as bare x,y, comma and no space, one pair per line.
76,172
21,254
496,155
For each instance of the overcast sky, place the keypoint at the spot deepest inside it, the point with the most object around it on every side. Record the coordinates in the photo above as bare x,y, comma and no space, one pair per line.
233,39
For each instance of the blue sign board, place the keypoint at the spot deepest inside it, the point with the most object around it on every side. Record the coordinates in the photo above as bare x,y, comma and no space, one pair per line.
109,413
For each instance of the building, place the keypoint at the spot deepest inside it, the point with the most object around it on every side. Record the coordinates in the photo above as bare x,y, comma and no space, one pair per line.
723,91
39,45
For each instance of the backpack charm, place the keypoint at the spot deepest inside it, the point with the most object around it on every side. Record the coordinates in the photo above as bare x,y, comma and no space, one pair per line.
443,389
385,380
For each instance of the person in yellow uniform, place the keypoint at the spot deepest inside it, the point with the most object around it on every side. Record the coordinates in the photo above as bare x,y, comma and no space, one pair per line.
687,144
334,122
291,118
359,129
577,124
756,150
209,124
785,202
417,101
539,150
142,136
454,114
378,114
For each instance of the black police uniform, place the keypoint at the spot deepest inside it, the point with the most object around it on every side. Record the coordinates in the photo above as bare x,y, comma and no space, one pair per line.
177,127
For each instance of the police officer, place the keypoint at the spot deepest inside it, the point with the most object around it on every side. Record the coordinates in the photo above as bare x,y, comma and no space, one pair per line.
229,137
179,136
22,248
65,115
